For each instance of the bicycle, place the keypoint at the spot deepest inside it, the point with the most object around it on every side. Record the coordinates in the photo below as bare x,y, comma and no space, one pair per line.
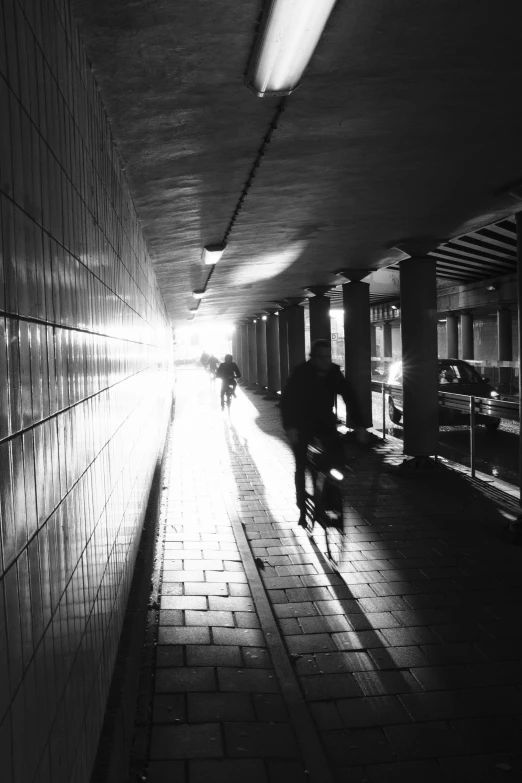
228,393
325,505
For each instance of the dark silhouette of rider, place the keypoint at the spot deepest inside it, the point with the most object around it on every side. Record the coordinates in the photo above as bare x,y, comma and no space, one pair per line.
228,371
307,404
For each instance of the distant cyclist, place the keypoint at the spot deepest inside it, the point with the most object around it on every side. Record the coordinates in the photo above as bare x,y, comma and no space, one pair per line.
307,409
212,365
228,371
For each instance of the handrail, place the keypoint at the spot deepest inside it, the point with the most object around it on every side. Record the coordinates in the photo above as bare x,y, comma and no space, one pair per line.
486,406
466,403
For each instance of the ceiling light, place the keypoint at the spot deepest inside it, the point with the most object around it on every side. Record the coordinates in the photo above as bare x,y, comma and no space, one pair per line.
264,318
199,294
289,32
491,288
394,307
213,253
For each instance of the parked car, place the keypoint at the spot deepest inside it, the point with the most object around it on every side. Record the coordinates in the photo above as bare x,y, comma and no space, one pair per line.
455,376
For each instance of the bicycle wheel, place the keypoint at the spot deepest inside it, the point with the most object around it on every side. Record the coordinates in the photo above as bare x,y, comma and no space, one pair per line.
332,520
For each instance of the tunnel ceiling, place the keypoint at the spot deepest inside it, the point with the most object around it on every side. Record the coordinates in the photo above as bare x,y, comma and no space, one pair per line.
407,124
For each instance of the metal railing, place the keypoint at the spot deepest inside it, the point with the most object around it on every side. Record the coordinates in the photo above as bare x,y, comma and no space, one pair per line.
464,403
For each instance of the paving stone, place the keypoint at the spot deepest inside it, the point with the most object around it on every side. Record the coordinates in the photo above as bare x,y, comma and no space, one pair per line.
256,657
456,652
183,636
287,772
290,626
494,768
398,657
326,715
338,607
330,686
239,590
171,617
488,734
435,739
171,588
360,640
169,656
386,682
204,588
209,617
295,609
184,602
402,637
357,746
168,708
183,576
186,741
213,655
260,740
219,707
309,643
226,771
216,603
246,620
182,679
344,661
163,771
243,637
247,680
362,622
372,711
406,772
270,707
328,624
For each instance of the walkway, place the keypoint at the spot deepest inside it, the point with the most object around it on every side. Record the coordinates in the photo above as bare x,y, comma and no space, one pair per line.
271,667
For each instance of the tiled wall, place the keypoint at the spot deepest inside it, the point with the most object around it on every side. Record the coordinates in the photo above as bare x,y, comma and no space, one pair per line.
84,396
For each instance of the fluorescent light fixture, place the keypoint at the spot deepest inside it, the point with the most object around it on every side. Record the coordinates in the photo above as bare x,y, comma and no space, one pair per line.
336,474
198,294
394,307
289,32
213,253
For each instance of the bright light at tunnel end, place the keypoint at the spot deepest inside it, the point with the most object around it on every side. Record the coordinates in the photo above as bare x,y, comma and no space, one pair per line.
288,35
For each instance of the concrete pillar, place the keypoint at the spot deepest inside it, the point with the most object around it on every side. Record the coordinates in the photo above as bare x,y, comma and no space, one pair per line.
261,352
373,347
466,335
319,304
504,334
283,346
387,340
244,366
357,347
419,356
452,336
518,218
273,373
296,336
504,343
252,354
234,345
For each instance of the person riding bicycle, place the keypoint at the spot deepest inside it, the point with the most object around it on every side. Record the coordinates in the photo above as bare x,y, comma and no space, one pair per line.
212,365
228,371
307,410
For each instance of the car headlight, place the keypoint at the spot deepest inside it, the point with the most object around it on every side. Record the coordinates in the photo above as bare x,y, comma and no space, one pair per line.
494,394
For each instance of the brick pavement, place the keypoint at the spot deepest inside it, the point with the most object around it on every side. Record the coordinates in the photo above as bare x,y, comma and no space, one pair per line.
408,659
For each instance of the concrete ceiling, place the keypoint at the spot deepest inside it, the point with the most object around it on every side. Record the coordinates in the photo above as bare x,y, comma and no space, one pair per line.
408,123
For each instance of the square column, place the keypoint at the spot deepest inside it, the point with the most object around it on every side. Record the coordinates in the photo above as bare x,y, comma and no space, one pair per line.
261,352
357,346
273,374
452,336
466,336
419,356
252,354
504,343
283,346
296,336
319,308
244,366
